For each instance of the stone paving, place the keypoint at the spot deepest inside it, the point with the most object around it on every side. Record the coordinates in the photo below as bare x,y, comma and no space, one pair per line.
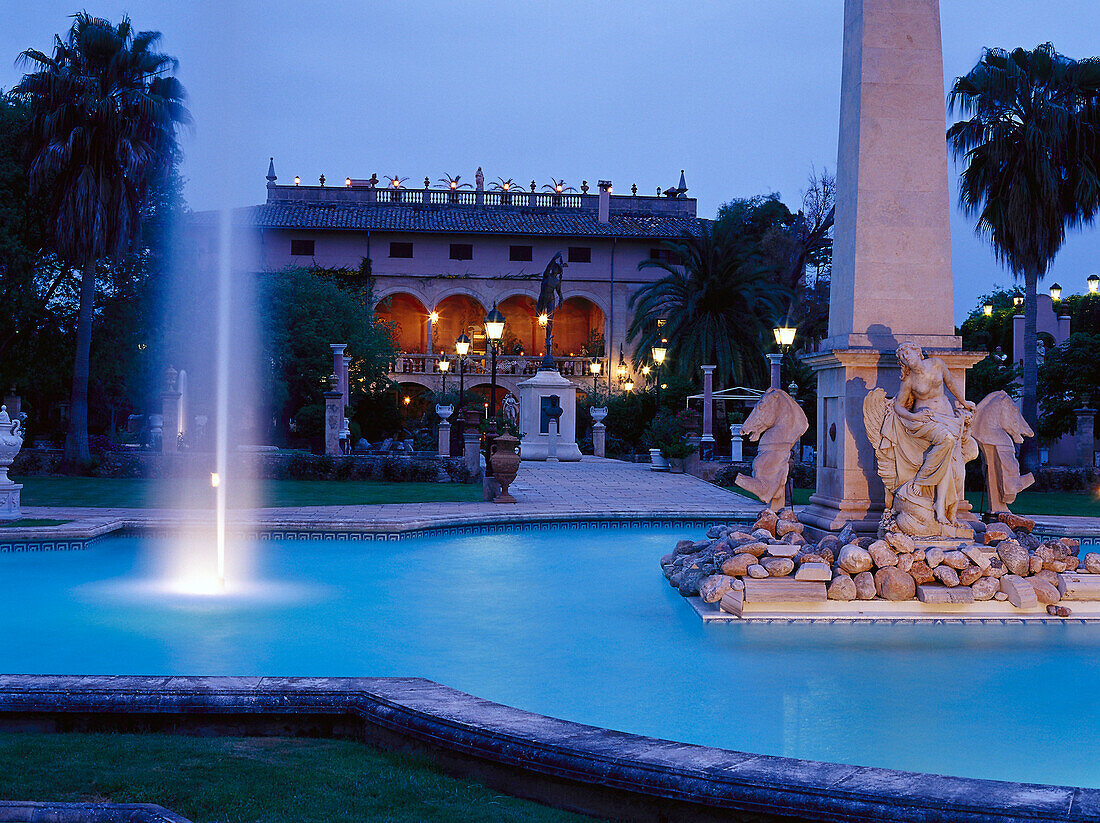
593,487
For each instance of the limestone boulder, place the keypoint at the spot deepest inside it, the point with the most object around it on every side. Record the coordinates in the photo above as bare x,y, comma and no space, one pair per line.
785,527
813,557
738,565
901,542
814,571
996,532
847,534
1092,563
1058,611
1049,576
782,550
893,584
1015,558
842,587
1016,522
1035,564
1044,592
920,572
712,588
1001,596
969,575
766,521
778,566
1071,543
788,514
758,571
762,534
865,586
756,548
905,561
933,556
854,559
882,555
956,560
683,547
985,588
946,575
668,559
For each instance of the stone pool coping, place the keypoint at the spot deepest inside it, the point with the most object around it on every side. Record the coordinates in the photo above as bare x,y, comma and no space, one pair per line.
17,811
558,762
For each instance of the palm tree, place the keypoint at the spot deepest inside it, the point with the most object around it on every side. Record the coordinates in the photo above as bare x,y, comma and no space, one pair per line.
713,305
104,113
1032,152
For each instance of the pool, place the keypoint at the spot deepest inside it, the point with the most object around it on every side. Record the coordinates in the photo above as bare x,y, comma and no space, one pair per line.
577,624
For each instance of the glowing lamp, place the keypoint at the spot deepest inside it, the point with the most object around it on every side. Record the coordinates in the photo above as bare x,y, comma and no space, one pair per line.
454,184
987,309
494,324
297,180
347,182
462,345
620,370
1094,283
1055,292
544,318
645,370
784,335
660,352
558,188
406,400
434,317
1017,301
444,365
215,480
594,367
506,186
628,385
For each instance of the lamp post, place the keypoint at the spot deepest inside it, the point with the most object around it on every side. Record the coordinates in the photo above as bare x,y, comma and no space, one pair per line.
444,367
494,331
628,385
660,352
1055,292
594,369
462,348
784,337
987,309
1094,283
620,370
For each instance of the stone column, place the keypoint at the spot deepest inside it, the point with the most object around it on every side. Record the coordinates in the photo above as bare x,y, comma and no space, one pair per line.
170,414
340,369
1086,436
334,420
891,276
599,439
471,450
775,362
444,438
706,442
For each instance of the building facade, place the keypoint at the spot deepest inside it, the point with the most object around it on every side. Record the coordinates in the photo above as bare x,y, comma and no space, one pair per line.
442,257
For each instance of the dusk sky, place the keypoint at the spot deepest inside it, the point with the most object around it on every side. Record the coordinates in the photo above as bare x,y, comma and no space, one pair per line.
745,96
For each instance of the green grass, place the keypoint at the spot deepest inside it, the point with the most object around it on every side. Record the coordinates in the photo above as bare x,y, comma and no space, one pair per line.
30,522
248,780
101,492
1050,504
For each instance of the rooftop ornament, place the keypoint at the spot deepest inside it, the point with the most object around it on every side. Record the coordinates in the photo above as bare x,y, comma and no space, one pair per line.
347,182
322,179
557,186
397,182
297,180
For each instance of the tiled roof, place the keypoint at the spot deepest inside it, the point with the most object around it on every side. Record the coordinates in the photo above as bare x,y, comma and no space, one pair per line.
465,220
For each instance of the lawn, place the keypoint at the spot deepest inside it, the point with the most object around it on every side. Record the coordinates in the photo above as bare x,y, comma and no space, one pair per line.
102,492
1051,504
247,780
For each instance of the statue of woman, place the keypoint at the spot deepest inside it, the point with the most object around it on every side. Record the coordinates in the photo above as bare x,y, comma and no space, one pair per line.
922,443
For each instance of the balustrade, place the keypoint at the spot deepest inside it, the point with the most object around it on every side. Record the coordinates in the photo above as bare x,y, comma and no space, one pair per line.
479,364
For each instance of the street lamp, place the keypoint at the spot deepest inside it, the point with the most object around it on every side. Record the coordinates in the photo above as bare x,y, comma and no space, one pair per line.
987,309
628,386
1094,283
620,370
660,351
594,369
462,348
1055,292
494,331
444,367
784,337
1017,301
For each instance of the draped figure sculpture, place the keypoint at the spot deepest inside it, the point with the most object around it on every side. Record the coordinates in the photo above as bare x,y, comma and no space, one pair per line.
922,444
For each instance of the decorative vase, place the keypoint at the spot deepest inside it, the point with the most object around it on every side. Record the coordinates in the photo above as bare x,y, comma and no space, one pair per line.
676,465
504,459
657,462
598,413
444,412
11,441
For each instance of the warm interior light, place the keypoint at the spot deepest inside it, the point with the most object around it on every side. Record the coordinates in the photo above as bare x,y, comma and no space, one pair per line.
784,335
659,354
1094,283
1055,292
558,187
621,370
544,318
507,186
462,345
434,317
215,480
987,309
454,184
407,400
494,324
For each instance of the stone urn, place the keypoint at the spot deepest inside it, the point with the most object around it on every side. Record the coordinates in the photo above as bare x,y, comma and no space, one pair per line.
598,413
504,460
11,441
444,412
657,462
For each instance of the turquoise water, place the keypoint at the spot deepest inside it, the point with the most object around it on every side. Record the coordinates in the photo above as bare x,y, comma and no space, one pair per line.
579,625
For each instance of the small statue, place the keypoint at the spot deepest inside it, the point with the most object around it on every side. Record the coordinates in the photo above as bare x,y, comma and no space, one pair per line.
551,287
510,409
777,421
922,444
997,427
479,178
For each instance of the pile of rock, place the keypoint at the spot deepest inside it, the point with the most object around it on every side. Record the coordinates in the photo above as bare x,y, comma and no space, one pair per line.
774,561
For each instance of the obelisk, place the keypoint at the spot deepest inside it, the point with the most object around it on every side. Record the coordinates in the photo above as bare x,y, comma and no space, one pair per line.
891,276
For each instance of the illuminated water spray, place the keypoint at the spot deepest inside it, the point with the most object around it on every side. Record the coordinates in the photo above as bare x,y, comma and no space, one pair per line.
221,392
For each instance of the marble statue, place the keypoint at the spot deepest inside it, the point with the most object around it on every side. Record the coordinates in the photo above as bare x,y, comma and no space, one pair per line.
776,421
549,290
922,444
998,426
11,441
479,179
509,408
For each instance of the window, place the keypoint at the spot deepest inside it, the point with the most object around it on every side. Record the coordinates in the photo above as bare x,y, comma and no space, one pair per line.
303,247
669,256
401,249
520,253
462,251
580,254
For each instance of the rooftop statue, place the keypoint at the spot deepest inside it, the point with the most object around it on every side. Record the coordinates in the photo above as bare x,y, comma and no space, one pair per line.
922,444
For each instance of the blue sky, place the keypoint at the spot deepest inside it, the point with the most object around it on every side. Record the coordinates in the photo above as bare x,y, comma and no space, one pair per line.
743,94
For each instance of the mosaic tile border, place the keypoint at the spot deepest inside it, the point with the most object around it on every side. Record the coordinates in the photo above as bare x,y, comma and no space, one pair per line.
60,545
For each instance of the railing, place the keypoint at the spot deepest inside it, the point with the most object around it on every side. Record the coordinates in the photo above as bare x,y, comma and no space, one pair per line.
480,364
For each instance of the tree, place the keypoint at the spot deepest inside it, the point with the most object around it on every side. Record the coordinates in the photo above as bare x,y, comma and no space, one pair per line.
1069,379
716,306
1032,153
104,116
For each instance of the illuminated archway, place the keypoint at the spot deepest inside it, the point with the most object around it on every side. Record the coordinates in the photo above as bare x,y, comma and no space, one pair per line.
408,319
459,314
579,328
522,332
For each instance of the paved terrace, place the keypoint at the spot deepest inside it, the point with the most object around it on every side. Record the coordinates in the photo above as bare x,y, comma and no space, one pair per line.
593,487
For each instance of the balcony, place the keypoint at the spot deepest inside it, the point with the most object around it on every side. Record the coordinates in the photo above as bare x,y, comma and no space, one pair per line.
511,369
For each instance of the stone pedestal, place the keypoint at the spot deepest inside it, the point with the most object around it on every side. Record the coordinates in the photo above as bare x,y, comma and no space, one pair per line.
171,429
775,365
444,438
737,445
334,421
9,501
1085,438
706,442
340,369
471,449
536,397
599,440
848,485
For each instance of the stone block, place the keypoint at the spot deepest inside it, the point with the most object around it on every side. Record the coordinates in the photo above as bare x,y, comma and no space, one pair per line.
732,602
1020,593
783,549
979,557
1074,586
942,594
817,572
783,590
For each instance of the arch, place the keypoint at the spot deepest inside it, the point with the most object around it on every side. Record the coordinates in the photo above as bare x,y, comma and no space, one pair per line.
409,319
578,323
522,332
459,313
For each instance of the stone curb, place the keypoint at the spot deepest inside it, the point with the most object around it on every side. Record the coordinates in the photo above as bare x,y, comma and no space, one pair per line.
23,812
558,762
